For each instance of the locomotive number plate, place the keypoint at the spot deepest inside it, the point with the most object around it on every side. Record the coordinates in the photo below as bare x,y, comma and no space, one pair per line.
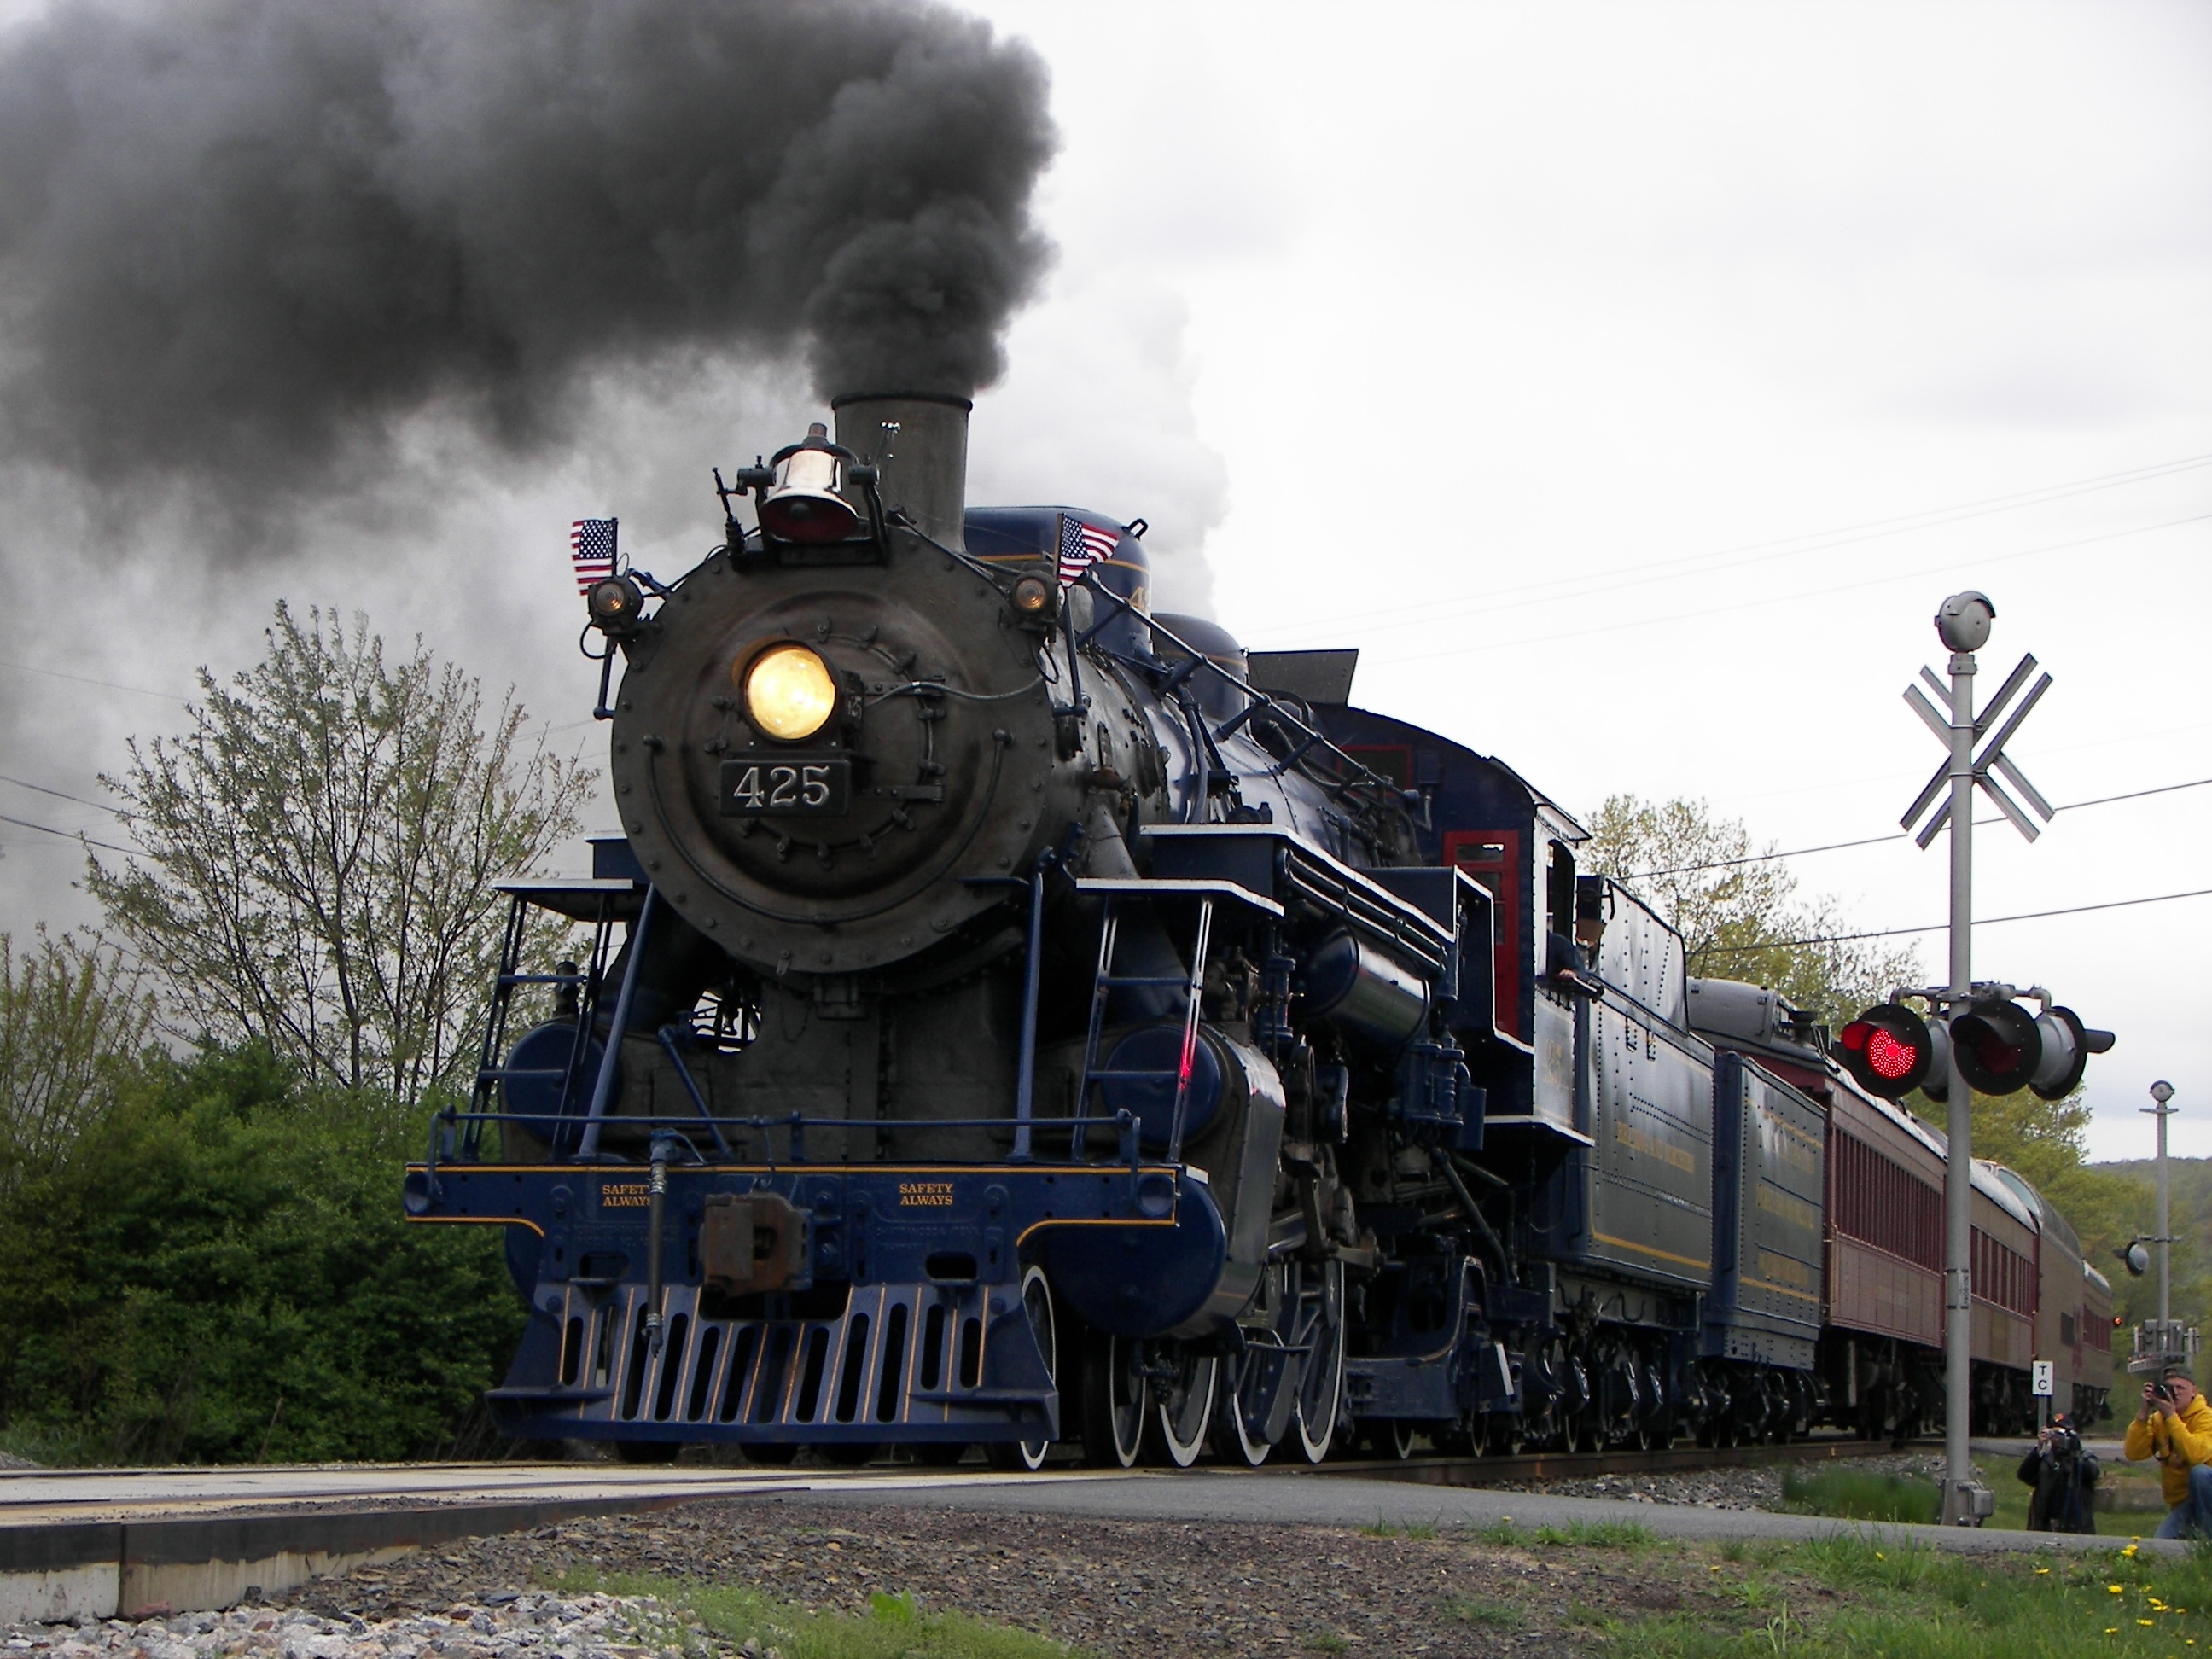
788,786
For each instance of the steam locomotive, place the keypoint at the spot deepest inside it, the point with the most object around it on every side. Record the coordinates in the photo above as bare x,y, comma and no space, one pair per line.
1011,1016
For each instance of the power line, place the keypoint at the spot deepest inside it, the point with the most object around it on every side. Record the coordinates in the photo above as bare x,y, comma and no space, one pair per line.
40,788
1939,927
111,685
1812,541
70,834
1900,834
1797,597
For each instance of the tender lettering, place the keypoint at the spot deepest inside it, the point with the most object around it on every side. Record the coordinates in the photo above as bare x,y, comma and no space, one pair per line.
1781,1270
925,1195
1787,1207
1643,1141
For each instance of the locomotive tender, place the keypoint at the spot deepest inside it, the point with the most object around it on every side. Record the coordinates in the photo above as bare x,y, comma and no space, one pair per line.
1012,1016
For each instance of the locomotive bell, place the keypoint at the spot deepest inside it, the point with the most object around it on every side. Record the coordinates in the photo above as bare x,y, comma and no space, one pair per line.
803,505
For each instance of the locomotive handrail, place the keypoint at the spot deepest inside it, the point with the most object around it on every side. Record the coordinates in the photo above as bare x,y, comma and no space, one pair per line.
1195,659
1361,773
798,1122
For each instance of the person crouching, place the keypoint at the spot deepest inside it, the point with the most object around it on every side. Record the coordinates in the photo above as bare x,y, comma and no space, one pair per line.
2174,1425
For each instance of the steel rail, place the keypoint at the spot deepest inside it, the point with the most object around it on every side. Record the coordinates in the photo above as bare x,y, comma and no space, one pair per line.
1489,1471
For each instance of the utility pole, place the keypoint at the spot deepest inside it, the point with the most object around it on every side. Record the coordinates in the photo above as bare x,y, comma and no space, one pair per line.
2161,1094
1963,624
2165,1341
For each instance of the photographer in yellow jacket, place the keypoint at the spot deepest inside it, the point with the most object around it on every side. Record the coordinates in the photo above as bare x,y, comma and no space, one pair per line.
2175,1426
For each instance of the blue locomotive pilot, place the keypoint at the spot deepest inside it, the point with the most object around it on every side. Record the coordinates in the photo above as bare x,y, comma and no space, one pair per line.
2174,1425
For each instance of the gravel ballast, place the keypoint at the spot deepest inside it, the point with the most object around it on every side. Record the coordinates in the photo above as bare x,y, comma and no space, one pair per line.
1111,1587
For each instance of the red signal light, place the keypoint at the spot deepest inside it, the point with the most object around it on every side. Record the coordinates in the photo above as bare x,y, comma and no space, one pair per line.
1890,1058
1887,1050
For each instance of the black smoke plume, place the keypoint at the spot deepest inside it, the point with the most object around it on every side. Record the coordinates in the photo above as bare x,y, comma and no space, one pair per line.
240,239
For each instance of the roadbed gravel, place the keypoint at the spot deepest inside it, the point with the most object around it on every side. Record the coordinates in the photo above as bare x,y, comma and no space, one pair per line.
1114,1587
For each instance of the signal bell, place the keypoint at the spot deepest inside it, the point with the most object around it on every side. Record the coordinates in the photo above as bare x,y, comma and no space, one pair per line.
1889,1050
803,505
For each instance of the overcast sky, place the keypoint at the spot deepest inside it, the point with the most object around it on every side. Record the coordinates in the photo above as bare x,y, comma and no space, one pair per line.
1628,383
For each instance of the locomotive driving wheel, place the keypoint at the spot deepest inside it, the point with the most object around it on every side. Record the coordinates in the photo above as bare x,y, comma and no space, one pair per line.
1176,1432
1114,1399
1321,1381
1036,1306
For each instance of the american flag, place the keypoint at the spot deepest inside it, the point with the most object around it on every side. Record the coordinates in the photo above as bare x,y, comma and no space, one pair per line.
1081,546
592,545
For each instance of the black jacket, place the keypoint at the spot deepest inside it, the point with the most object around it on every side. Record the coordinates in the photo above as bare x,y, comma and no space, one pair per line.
2065,1491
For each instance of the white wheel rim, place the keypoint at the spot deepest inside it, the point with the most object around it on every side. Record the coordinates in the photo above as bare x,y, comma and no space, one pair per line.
1048,1335
1126,1416
1251,1452
1197,1412
1315,1446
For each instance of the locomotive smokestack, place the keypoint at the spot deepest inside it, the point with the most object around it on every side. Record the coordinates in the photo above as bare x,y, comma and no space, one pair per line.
919,442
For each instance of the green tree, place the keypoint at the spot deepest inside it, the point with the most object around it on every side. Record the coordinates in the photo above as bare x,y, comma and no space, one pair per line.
1737,906
320,847
73,1015
2045,1140
219,1271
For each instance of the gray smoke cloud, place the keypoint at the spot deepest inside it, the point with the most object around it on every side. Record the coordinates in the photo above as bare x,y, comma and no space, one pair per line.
242,241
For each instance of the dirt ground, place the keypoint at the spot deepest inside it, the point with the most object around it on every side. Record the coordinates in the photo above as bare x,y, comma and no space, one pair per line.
1112,1587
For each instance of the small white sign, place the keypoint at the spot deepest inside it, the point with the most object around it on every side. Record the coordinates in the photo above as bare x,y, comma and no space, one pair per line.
2042,1385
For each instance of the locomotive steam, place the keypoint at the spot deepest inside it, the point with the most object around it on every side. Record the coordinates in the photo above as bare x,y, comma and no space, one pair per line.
1012,1016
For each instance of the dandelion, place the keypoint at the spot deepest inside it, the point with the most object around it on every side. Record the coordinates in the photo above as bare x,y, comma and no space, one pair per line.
2112,1630
2117,1589
1879,1556
2043,1572
2146,1621
2129,1550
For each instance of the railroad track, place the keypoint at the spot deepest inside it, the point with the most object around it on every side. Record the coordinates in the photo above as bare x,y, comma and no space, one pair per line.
1491,1471
98,1542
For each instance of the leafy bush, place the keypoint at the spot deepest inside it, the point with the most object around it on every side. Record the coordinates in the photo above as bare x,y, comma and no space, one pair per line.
218,1272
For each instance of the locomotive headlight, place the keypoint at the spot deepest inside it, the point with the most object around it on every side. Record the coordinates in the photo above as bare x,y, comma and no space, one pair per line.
789,693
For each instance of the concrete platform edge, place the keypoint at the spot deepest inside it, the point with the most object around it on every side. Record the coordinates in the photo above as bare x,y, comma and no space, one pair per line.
144,1569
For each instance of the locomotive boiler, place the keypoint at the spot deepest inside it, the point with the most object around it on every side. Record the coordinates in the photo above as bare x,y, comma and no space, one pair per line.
1011,1014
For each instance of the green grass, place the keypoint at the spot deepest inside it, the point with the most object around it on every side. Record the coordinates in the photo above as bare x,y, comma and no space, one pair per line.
1493,1615
1578,1534
1858,1495
1844,1597
895,1626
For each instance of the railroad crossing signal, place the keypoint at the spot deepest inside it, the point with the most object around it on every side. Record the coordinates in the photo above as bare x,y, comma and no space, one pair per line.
1992,757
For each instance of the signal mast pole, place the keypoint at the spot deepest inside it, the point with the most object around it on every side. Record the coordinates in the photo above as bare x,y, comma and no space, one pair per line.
1959,1508
1963,625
